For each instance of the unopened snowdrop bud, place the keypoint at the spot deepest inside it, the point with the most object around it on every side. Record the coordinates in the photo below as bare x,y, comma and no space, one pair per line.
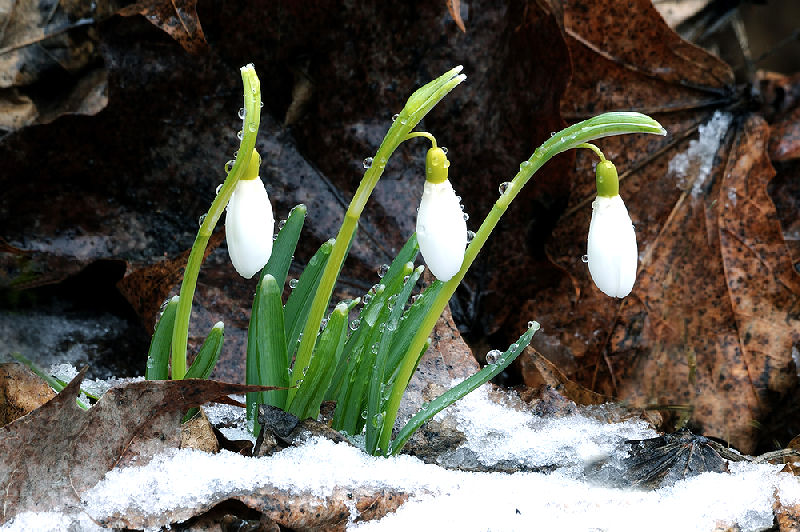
441,228
249,222
612,249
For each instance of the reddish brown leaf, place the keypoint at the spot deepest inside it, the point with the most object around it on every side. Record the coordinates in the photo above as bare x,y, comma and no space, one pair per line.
56,452
713,316
178,18
454,8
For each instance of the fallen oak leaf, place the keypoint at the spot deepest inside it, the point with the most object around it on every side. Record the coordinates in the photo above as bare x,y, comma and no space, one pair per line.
58,451
691,332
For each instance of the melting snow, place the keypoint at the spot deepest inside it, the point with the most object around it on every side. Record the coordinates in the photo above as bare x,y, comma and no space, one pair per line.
691,168
563,499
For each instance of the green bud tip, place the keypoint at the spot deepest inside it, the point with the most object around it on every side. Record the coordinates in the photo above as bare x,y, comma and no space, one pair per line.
607,179
436,165
251,172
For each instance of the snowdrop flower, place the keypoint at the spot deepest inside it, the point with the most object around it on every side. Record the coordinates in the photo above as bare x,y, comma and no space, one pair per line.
611,247
441,228
249,222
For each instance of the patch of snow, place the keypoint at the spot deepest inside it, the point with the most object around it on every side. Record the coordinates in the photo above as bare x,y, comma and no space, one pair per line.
229,419
691,167
495,433
67,372
561,499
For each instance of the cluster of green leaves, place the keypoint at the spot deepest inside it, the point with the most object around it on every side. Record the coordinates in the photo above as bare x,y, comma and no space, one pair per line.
354,363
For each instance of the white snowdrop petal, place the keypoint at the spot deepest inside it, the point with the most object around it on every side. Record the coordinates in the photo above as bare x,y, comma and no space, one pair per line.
611,247
441,230
249,225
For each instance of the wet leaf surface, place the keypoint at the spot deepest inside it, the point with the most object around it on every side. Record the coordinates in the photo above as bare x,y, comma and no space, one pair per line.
58,451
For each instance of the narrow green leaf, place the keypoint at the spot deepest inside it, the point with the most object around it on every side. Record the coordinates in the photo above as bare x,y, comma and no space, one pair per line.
208,355
378,387
369,314
159,352
284,245
316,380
455,393
351,402
408,326
299,302
273,363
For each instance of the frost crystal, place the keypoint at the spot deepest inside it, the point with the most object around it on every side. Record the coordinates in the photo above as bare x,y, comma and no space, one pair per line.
691,168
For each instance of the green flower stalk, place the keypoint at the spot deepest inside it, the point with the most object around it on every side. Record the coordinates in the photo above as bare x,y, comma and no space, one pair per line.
252,106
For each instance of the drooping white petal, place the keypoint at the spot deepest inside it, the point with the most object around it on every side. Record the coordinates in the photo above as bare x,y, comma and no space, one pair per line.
248,226
612,249
441,230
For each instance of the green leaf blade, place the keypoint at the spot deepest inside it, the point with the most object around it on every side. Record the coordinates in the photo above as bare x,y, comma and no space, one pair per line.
158,355
455,393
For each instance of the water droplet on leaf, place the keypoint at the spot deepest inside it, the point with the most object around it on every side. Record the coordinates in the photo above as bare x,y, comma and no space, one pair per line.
493,356
383,270
504,187
368,162
585,258
293,283
242,112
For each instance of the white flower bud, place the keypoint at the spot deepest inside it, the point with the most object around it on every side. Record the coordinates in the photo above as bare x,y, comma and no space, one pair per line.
612,249
249,225
441,230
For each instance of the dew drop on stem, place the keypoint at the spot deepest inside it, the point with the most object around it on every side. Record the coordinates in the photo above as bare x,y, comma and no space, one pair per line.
368,162
504,187
493,356
202,219
240,134
281,224
354,324
293,283
383,270
242,113
395,117
470,236
219,187
229,166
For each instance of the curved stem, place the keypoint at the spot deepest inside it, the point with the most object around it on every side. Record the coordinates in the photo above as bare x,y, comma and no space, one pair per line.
252,105
600,126
594,148
425,134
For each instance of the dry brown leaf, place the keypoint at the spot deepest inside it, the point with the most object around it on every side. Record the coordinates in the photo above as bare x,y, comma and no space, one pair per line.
714,314
21,391
293,511
178,18
49,63
58,451
454,8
